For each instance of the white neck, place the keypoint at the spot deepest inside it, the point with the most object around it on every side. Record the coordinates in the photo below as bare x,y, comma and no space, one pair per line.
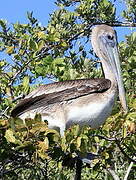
108,72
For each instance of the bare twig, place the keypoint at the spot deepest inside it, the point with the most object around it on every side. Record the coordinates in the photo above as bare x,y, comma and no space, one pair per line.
51,78
114,24
118,142
123,152
103,137
3,113
18,97
118,24
3,172
128,170
18,72
113,174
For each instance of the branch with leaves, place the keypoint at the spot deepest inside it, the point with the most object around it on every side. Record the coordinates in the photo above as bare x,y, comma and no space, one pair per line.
61,51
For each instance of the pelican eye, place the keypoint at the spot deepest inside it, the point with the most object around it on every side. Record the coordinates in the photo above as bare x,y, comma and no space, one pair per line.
110,37
110,40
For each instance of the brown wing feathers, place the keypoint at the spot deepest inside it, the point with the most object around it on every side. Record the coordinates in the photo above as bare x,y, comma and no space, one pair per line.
77,89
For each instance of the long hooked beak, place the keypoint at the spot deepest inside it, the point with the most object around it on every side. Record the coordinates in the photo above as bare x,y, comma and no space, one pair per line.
113,57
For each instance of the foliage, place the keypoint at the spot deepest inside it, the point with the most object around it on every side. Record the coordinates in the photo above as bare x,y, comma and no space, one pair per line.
61,51
130,14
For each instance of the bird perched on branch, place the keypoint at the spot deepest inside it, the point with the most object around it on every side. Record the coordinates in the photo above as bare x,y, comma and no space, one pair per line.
85,101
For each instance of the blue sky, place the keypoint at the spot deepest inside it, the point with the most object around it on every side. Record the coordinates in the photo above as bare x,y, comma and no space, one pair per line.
15,11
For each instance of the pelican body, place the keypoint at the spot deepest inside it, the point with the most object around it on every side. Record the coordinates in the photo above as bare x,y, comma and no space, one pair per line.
85,101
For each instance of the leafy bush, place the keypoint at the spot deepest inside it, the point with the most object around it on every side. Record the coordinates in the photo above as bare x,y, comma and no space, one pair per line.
61,51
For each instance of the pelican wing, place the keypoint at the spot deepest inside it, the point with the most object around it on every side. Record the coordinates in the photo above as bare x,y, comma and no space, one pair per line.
60,92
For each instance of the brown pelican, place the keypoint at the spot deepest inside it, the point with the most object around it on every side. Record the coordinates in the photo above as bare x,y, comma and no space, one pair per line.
85,101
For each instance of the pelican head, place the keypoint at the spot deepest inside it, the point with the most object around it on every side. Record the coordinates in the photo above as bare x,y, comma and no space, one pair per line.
104,42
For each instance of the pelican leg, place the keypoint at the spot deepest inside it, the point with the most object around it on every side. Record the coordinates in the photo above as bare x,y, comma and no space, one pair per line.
79,165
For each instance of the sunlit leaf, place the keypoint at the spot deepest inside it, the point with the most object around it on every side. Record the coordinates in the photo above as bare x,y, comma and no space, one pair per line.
9,135
32,44
78,142
26,83
64,44
10,50
41,44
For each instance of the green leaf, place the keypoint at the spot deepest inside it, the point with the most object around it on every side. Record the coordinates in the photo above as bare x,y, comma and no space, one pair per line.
81,48
46,143
105,2
64,44
3,122
10,50
9,135
134,37
58,61
43,146
32,44
106,155
3,24
41,35
96,139
26,84
41,44
78,142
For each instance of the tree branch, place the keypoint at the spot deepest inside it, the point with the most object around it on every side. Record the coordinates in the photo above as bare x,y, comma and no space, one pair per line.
18,72
117,141
113,24
113,174
118,24
123,152
103,137
128,170
3,172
